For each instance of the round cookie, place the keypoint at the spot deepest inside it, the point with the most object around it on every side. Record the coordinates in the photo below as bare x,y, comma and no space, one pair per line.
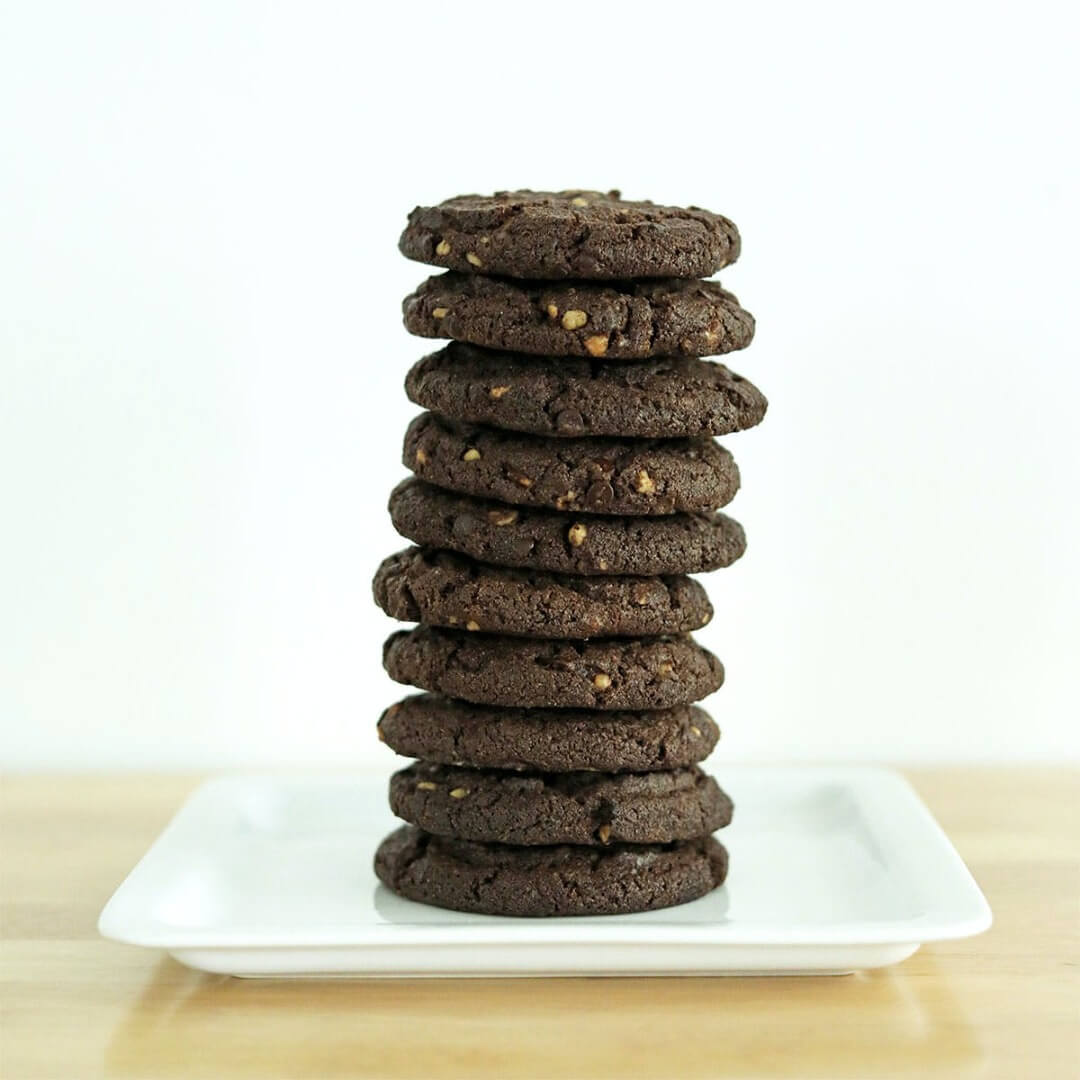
617,673
440,729
504,535
669,397
629,320
493,879
559,808
601,476
569,234
441,588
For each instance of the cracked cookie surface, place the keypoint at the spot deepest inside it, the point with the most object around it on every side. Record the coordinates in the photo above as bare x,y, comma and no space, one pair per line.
569,234
595,475
567,397
553,540
441,729
493,879
559,808
615,673
629,320
441,588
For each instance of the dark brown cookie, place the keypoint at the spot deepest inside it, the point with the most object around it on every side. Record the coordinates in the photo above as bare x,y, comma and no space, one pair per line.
668,397
559,808
630,320
441,588
569,234
600,476
564,543
607,673
440,729
493,879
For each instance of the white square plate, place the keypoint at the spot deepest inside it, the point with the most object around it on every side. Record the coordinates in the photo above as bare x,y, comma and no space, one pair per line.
832,870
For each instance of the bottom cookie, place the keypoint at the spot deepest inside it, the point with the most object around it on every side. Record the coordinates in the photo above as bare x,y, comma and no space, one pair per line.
496,879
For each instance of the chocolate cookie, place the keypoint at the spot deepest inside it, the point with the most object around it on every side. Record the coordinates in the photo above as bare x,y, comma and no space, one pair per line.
629,320
441,588
569,234
607,673
601,476
440,729
565,543
668,397
493,879
559,808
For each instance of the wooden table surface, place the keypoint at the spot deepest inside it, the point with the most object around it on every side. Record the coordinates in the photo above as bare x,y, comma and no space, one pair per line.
72,1006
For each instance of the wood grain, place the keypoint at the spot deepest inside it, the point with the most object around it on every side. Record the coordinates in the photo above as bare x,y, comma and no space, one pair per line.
1006,1004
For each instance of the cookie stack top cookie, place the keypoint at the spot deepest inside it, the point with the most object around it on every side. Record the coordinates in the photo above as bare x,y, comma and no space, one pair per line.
550,236
565,483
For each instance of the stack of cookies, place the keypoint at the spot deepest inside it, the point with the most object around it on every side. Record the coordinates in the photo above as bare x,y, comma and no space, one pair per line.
566,481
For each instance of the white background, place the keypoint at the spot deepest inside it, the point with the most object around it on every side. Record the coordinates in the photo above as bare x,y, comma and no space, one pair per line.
201,407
